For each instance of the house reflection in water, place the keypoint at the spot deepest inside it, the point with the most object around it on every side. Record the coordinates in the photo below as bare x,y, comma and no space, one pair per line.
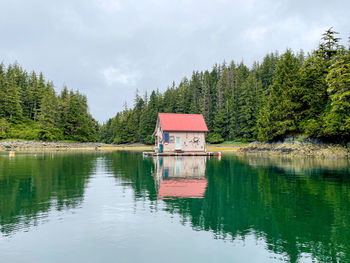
180,177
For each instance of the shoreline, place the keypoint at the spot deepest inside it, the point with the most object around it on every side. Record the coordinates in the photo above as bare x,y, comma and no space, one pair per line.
42,146
291,149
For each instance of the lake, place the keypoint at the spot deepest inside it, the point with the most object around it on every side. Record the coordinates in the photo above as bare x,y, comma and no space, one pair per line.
122,207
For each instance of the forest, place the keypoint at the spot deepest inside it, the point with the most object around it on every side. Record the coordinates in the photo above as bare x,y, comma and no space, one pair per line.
292,95
30,109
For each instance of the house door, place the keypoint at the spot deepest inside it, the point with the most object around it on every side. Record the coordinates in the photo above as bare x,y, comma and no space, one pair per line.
177,143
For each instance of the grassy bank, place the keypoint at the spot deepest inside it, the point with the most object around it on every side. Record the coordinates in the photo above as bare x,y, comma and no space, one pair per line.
225,146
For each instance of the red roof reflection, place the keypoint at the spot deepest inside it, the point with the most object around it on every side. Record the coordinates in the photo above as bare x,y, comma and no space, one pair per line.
183,188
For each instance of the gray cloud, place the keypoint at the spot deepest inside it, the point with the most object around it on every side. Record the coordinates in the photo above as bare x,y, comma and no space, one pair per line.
107,49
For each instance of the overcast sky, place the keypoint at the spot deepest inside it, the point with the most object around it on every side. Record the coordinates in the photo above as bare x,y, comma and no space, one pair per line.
109,48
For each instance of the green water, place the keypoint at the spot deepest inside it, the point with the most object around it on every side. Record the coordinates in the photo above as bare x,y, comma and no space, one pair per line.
121,207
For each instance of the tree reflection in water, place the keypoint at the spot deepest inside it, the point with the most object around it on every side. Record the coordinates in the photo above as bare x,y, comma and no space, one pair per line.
297,206
33,184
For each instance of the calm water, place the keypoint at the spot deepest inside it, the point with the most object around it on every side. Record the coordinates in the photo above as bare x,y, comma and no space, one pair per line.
121,207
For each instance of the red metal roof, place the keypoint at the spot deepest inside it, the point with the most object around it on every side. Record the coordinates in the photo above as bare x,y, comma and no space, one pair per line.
182,122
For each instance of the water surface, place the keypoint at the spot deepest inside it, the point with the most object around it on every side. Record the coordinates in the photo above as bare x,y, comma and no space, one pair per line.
121,207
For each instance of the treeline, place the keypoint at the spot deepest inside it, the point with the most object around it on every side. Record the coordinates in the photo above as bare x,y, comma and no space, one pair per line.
30,109
288,95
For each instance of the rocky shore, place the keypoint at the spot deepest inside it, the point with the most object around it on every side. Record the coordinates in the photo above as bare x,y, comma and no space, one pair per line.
298,149
288,149
27,146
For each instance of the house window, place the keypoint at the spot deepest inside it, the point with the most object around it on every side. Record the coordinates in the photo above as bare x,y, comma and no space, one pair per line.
166,137
172,139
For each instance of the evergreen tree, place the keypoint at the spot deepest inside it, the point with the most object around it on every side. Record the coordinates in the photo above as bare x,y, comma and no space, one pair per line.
280,115
138,109
2,90
11,101
313,86
48,115
149,118
63,109
38,92
4,125
330,44
249,101
196,89
267,70
32,96
234,97
337,121
205,100
220,127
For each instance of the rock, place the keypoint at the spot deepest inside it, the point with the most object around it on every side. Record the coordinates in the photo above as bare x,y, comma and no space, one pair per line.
255,142
296,148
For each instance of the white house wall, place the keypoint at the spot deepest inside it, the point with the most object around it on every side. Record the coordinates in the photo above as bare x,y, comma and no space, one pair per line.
190,142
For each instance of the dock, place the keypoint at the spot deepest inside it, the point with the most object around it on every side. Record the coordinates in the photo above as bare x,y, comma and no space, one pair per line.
180,154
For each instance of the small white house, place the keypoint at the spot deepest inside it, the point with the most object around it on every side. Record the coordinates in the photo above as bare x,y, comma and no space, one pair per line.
177,132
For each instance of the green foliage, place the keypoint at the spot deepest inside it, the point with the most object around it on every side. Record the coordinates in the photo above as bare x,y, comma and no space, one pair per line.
313,87
279,116
249,107
11,101
221,124
149,140
50,134
31,110
3,128
283,96
26,131
337,120
215,138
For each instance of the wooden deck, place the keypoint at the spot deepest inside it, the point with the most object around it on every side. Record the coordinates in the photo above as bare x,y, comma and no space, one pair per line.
180,154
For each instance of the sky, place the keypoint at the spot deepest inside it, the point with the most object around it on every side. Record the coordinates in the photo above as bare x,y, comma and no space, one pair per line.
108,49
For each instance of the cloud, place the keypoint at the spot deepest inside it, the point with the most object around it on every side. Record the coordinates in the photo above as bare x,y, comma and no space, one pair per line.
107,49
114,75
109,6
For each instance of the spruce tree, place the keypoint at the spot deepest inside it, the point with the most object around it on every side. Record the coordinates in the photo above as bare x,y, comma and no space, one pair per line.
4,125
2,90
280,115
48,115
196,89
249,107
235,99
313,85
337,121
205,100
220,130
11,101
